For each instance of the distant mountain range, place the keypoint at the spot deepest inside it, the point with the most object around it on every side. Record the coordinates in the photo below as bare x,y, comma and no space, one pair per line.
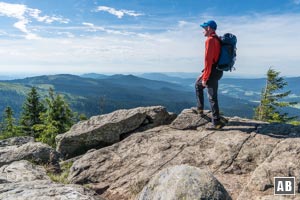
94,94
240,89
248,89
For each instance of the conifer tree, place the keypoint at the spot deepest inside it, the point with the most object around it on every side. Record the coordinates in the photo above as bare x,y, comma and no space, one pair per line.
9,128
30,116
270,100
57,118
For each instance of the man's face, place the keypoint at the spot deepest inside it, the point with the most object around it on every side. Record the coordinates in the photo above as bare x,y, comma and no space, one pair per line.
206,31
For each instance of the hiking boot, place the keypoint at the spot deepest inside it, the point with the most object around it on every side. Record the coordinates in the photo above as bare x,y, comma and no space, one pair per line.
199,111
218,126
223,120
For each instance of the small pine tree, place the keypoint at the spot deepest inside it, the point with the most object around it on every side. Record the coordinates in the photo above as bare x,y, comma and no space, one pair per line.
270,100
30,115
59,111
57,118
9,128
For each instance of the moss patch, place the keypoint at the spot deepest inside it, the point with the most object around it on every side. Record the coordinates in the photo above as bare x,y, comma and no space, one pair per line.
61,177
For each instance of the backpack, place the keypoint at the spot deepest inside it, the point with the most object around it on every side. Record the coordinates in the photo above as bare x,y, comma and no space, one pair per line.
228,52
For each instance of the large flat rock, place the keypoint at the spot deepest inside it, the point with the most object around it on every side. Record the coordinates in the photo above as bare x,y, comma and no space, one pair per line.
45,190
124,168
233,155
284,161
103,130
22,180
20,171
34,151
16,141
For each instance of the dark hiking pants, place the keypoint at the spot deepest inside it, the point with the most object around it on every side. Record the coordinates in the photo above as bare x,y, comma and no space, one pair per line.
212,93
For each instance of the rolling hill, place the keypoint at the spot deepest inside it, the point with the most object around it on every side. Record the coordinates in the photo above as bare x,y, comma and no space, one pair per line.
94,94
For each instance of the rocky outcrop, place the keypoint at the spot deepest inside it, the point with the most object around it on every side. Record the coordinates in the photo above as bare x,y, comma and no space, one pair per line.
244,157
45,190
189,119
284,161
103,130
20,171
23,148
25,181
241,156
16,141
184,182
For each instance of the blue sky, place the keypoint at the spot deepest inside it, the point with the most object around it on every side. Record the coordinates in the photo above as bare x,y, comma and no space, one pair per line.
137,36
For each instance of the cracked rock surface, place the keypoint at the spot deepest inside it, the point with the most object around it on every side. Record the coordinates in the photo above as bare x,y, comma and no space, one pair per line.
24,148
238,162
244,157
103,130
22,180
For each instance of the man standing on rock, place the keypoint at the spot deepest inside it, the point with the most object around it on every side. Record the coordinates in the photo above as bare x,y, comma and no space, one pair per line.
210,74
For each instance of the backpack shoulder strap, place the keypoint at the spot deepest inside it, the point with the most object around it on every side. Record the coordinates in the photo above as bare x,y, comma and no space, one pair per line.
217,37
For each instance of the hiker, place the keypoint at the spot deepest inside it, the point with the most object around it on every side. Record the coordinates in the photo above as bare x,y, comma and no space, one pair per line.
210,74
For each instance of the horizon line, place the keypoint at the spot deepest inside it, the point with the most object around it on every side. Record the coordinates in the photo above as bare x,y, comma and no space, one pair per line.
18,75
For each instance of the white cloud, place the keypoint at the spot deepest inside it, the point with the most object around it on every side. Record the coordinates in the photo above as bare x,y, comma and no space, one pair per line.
21,25
118,13
24,15
12,10
68,34
263,41
94,28
182,23
35,13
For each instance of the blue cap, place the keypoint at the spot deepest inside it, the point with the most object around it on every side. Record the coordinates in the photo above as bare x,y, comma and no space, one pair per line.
211,23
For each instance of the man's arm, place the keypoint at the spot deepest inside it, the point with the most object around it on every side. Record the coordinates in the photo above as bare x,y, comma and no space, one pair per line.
208,60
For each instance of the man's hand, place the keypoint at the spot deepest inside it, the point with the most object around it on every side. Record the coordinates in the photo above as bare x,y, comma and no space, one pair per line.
204,83
198,79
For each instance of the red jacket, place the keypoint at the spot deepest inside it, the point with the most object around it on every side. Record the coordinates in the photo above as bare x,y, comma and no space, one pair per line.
212,52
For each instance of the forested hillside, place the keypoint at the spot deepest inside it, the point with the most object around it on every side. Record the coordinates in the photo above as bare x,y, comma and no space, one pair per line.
94,94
